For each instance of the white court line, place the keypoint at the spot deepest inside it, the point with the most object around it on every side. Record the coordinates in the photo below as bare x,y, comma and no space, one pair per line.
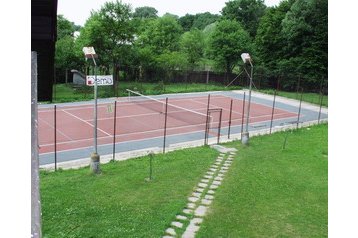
56,129
252,124
85,122
173,128
217,106
87,106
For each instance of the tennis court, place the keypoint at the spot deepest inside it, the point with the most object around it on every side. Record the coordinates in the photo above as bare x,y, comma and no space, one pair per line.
142,120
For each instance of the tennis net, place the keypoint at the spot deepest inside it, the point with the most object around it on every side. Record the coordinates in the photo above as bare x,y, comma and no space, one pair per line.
186,115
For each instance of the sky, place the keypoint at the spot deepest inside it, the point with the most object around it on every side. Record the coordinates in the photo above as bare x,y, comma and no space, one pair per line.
78,11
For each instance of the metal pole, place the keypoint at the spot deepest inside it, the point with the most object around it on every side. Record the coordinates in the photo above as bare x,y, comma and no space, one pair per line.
243,114
273,109
299,110
165,124
228,134
219,129
95,105
245,139
207,122
55,135
114,129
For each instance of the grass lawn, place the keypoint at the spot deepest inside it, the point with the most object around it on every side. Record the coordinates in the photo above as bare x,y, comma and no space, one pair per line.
119,202
307,97
270,192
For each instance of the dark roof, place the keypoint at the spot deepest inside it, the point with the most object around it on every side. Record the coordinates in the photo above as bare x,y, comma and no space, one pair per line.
43,19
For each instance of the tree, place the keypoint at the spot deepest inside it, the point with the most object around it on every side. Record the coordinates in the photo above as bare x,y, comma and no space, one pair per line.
186,21
192,44
162,34
305,29
203,19
64,27
111,33
145,12
246,12
269,40
229,40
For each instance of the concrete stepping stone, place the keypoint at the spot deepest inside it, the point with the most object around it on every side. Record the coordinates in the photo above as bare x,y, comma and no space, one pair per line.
216,182
217,163
201,211
202,185
210,173
187,211
220,175
177,224
224,168
168,236
190,231
190,205
204,180
208,176
170,231
197,220
206,202
211,192
222,171
213,186
196,195
218,178
209,197
182,218
193,199
199,190
213,170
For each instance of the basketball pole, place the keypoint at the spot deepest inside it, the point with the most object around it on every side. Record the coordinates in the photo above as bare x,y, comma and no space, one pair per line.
245,137
95,158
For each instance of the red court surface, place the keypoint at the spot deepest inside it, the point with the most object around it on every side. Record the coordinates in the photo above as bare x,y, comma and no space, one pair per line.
138,120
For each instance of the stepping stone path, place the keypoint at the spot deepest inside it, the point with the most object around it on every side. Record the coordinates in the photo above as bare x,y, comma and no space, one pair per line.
188,221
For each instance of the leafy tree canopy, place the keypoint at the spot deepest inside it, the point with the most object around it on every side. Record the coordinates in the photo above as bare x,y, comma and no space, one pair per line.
64,27
246,12
145,12
228,41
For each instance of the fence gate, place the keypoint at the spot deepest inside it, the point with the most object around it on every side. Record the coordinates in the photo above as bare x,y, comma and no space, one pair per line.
213,125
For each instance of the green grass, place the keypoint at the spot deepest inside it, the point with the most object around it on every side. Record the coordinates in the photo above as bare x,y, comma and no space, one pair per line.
119,202
66,93
270,192
307,97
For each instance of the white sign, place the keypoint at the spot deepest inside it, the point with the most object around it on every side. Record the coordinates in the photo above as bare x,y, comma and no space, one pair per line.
102,80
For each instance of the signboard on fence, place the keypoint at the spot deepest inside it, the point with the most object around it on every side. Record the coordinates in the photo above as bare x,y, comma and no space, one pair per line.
102,80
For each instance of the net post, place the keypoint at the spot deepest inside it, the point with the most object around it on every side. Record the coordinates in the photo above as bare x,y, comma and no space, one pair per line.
273,109
207,122
243,114
55,135
165,125
299,109
298,85
219,129
114,129
229,130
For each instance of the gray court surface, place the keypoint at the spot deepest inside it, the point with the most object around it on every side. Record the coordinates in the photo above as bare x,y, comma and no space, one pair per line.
74,158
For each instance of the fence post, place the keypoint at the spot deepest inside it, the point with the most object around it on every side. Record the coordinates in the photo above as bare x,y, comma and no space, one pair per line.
273,109
165,124
228,134
114,129
243,114
299,110
219,129
55,135
207,122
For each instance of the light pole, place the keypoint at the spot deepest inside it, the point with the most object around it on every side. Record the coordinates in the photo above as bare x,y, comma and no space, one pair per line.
90,53
245,136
